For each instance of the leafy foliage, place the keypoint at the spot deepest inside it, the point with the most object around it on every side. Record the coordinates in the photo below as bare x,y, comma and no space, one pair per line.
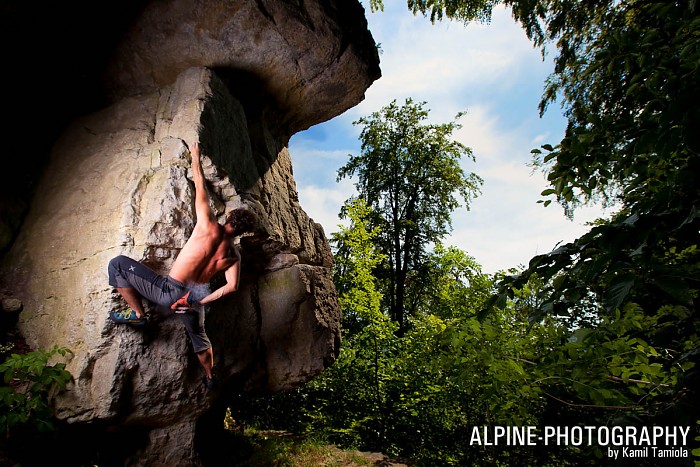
475,10
355,261
448,284
615,366
628,76
29,383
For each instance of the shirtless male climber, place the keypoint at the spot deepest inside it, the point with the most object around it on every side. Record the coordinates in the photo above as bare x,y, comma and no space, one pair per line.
185,290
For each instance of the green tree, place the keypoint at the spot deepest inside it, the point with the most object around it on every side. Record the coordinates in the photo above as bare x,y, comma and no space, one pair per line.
369,335
356,258
409,173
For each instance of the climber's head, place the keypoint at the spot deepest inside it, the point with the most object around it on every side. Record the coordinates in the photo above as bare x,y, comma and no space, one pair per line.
241,221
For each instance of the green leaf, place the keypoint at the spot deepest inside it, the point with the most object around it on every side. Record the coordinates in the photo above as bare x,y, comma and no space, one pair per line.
618,290
549,157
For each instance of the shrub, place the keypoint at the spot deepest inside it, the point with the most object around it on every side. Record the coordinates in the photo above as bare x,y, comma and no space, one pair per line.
29,382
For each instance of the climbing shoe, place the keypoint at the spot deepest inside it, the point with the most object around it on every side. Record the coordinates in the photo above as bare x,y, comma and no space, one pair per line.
126,317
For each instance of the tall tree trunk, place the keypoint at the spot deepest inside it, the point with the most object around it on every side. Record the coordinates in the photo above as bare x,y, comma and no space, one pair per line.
397,292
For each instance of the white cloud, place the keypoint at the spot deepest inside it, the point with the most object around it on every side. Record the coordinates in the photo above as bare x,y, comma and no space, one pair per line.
541,138
323,204
506,226
439,62
482,132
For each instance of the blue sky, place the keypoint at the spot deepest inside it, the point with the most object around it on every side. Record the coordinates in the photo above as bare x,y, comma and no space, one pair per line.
493,73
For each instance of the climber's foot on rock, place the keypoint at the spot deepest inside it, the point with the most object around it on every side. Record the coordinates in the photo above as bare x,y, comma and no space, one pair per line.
211,383
127,317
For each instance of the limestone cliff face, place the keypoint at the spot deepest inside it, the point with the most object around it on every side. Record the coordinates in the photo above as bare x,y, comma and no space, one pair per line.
240,77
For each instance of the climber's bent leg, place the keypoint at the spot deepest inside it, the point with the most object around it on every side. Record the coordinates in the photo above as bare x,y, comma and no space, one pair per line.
206,359
194,325
133,299
134,281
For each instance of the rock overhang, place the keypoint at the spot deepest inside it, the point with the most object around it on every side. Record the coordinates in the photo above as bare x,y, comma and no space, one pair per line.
306,62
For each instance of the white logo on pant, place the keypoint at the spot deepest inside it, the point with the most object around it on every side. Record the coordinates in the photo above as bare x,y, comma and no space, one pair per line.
131,268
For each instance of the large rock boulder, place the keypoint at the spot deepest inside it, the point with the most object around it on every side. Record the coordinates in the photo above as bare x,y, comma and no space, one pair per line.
240,78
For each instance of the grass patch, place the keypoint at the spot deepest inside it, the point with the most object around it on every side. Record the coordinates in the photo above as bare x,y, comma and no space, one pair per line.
282,449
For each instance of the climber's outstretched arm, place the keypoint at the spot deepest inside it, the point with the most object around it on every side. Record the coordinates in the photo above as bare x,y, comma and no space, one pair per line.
201,201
